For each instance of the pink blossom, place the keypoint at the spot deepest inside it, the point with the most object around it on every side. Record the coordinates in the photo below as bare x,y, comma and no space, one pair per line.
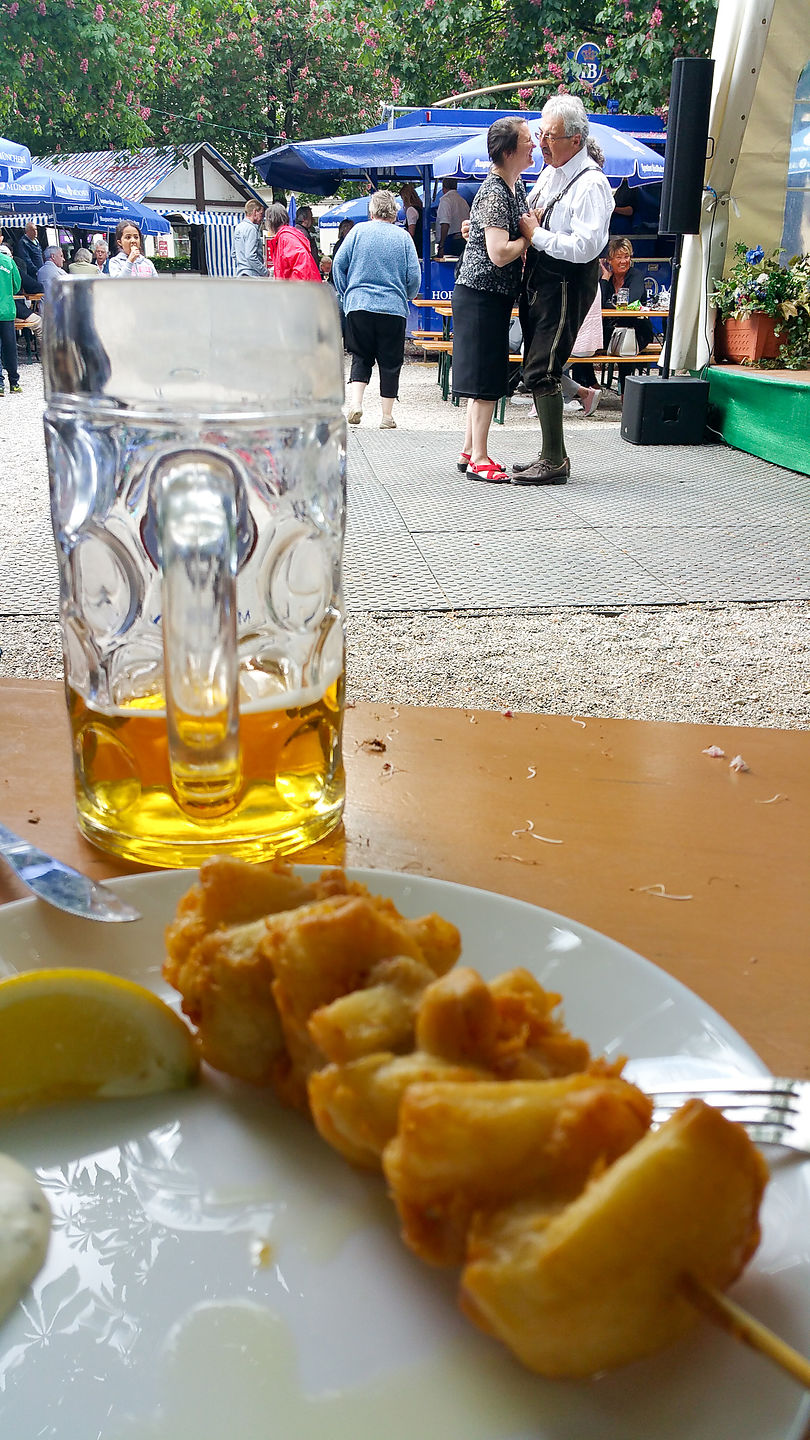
610,41
144,112
349,89
556,71
84,66
41,7
199,115
656,17
12,9
550,48
429,4
98,13
396,89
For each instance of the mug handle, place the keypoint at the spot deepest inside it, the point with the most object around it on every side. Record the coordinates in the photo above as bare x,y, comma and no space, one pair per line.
196,510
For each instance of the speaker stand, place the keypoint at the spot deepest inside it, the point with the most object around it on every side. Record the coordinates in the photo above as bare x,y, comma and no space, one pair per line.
673,293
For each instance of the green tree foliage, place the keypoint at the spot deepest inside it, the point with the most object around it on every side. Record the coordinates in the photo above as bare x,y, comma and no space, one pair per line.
73,73
443,47
87,74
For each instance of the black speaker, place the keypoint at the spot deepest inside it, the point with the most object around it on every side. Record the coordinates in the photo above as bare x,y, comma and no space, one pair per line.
687,140
656,411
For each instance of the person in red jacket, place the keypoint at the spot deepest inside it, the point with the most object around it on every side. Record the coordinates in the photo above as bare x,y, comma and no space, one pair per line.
289,248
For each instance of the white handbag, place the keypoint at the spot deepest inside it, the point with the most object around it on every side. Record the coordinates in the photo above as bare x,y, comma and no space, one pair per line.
623,341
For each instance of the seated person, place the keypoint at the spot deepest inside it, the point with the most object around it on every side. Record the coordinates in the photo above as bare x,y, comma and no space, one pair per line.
28,317
618,274
82,264
53,270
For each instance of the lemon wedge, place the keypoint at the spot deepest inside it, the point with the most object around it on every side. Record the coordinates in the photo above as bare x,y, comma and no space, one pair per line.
78,1034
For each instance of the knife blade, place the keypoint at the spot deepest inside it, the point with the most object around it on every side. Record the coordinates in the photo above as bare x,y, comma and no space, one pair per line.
60,885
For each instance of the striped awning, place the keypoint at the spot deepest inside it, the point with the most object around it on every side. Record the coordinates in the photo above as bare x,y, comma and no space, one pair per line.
136,173
18,222
130,173
200,217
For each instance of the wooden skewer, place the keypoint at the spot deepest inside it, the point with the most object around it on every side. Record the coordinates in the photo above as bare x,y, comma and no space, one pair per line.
731,1317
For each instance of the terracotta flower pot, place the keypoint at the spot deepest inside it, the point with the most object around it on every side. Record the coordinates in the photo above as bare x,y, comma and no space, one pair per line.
751,339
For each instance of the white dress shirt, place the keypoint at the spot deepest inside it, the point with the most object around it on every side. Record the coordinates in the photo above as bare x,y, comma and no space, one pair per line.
578,224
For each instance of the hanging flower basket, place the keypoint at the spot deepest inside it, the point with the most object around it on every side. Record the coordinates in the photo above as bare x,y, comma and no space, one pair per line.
746,340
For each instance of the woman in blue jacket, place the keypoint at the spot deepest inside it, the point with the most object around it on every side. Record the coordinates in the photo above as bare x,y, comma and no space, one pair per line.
376,272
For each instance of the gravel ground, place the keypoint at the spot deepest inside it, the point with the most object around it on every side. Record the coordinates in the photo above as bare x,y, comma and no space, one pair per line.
720,664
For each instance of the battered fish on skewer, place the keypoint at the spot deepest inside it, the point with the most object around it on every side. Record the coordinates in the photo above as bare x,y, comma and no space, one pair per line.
251,987
508,1150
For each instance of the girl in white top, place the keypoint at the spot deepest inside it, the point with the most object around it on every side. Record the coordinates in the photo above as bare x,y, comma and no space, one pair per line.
130,259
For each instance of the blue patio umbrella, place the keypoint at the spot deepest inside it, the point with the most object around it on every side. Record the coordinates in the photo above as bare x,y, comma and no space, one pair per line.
38,186
625,158
113,208
14,159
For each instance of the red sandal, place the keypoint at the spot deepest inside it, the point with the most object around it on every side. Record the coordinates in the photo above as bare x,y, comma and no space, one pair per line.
489,470
462,462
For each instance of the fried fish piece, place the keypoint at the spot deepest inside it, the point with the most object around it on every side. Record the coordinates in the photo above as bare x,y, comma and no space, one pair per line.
231,892
380,1016
250,988
356,1106
507,1025
597,1283
461,1149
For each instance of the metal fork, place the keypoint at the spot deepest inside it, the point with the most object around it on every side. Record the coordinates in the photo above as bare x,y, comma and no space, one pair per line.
774,1110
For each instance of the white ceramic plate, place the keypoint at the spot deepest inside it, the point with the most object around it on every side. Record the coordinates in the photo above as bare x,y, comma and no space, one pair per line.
216,1271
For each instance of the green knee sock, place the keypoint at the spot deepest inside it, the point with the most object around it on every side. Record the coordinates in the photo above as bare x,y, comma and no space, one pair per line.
550,414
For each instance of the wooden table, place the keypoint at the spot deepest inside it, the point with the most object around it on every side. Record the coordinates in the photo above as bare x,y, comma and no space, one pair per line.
634,803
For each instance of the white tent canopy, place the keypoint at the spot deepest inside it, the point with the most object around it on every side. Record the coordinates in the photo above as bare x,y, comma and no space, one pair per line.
760,49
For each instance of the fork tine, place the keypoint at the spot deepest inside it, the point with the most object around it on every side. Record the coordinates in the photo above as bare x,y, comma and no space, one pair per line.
774,1111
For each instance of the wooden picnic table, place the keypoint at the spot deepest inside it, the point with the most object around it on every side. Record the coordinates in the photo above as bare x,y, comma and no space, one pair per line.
635,805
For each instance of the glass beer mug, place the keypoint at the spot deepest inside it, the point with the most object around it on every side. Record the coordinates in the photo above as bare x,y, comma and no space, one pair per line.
196,449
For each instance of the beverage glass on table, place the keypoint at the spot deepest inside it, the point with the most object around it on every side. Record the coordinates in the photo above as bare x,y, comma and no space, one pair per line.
196,449
622,297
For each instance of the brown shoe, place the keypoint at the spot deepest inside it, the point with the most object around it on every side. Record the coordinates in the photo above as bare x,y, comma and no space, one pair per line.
521,465
542,472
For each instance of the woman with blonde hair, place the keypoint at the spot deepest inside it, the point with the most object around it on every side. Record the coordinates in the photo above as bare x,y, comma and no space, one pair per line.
618,274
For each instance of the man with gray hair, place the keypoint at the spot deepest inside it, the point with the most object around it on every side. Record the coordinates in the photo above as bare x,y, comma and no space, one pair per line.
247,251
54,268
567,228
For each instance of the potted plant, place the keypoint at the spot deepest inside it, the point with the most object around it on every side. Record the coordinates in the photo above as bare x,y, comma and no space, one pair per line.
763,309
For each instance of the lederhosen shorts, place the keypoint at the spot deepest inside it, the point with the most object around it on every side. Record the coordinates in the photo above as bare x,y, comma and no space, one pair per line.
555,297
553,304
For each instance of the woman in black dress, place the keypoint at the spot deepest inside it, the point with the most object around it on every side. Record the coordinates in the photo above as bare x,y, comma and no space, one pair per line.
487,288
